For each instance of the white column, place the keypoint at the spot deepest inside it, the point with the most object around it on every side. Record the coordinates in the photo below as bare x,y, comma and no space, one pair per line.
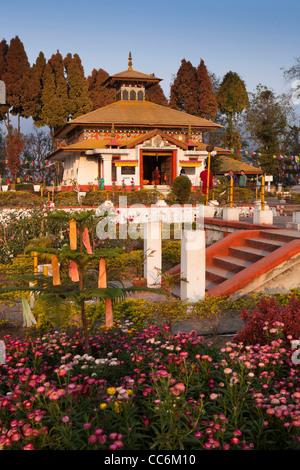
231,213
107,170
262,217
152,243
193,265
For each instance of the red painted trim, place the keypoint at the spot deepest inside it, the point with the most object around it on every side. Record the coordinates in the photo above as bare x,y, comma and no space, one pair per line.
240,225
141,169
174,165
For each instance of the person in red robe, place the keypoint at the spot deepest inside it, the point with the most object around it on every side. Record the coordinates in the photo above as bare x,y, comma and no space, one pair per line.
156,176
204,178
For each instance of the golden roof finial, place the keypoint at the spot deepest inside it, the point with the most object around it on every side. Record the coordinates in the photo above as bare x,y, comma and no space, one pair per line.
129,62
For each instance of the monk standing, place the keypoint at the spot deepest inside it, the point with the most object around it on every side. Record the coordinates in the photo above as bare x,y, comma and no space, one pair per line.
206,179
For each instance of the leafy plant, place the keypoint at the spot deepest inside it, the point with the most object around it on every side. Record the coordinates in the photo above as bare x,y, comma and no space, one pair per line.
212,311
181,189
268,312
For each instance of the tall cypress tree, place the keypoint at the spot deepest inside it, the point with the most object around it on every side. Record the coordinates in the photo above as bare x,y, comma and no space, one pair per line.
53,113
232,100
155,94
79,100
207,100
61,86
35,88
54,98
16,77
183,88
99,94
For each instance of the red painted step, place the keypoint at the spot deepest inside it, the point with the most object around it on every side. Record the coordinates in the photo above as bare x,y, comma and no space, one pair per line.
245,258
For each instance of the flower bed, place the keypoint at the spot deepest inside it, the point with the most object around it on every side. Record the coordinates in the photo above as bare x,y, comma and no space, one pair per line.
147,389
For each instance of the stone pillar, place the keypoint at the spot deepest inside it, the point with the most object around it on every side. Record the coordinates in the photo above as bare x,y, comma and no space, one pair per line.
193,265
231,213
295,224
152,252
262,217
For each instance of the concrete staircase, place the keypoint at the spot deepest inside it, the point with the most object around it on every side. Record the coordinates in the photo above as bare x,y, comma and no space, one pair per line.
234,263
251,261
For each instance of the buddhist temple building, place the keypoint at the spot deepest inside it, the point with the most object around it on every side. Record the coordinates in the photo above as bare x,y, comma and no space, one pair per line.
123,143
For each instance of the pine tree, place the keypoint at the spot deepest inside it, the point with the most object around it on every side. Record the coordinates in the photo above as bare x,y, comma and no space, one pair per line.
53,113
16,78
35,88
183,88
80,102
155,94
232,99
207,100
61,86
99,94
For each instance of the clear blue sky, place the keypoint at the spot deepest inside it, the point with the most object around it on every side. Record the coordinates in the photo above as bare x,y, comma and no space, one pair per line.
254,38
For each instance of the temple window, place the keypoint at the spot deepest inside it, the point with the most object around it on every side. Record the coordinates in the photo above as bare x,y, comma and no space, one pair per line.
140,96
125,95
132,95
127,170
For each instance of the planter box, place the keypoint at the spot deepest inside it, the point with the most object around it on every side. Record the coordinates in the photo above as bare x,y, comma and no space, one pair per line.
4,187
36,187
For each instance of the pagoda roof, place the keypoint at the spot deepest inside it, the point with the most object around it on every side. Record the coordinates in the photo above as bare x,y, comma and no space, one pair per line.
227,164
139,114
130,75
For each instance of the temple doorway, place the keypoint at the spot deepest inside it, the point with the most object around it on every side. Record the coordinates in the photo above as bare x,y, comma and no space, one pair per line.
157,168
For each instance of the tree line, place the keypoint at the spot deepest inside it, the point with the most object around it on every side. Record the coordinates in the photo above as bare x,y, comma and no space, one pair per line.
56,90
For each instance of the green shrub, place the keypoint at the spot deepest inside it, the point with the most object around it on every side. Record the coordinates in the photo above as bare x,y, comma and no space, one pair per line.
296,198
66,198
19,198
181,189
211,312
171,253
28,187
142,196
55,315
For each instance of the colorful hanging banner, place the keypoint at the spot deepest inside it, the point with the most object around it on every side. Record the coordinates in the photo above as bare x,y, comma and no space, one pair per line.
291,158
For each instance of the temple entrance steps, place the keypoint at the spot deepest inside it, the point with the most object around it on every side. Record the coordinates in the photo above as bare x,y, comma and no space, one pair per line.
161,188
249,261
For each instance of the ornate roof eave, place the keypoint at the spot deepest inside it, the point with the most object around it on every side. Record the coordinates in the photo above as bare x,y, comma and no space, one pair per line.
63,130
149,135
